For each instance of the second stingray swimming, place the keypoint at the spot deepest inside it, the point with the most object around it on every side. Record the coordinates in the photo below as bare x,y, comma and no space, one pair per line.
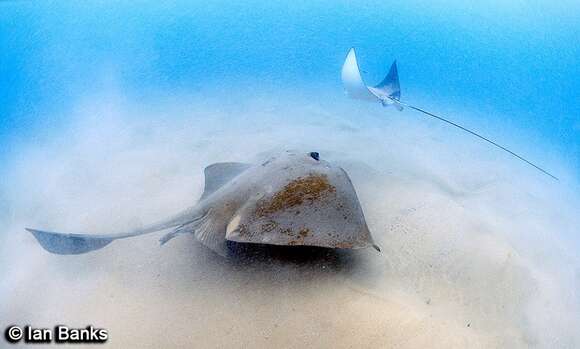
293,198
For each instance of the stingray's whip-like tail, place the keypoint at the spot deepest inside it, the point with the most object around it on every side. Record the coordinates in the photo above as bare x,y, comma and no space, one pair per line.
77,243
388,92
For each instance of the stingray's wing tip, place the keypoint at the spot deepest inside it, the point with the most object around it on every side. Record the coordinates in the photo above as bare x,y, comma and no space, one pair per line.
352,80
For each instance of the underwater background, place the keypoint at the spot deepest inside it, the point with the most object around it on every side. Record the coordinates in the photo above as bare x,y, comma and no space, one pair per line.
110,110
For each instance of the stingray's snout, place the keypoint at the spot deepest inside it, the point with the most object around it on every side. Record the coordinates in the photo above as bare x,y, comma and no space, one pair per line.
315,155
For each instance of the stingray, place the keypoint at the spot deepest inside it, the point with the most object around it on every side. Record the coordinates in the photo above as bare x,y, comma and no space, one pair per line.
388,93
292,199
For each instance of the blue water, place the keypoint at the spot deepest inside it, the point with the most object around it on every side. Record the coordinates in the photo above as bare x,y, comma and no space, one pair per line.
514,62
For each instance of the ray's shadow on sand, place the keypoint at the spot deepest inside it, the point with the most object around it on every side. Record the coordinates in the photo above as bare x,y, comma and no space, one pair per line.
299,258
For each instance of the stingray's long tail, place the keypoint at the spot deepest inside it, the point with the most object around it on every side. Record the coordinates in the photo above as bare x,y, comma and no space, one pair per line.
478,136
73,243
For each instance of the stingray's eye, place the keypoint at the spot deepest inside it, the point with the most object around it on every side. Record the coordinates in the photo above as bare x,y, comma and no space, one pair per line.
315,156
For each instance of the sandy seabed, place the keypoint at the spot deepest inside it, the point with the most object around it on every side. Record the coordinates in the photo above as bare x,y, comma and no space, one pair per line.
478,250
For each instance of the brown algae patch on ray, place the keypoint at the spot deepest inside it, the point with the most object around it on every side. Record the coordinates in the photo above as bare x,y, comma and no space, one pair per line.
299,240
295,193
269,226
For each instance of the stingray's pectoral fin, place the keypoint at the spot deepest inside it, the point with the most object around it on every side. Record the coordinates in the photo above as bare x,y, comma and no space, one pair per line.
62,243
352,80
390,85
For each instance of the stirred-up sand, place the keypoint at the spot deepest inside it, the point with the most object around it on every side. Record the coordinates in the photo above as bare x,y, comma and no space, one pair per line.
478,250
